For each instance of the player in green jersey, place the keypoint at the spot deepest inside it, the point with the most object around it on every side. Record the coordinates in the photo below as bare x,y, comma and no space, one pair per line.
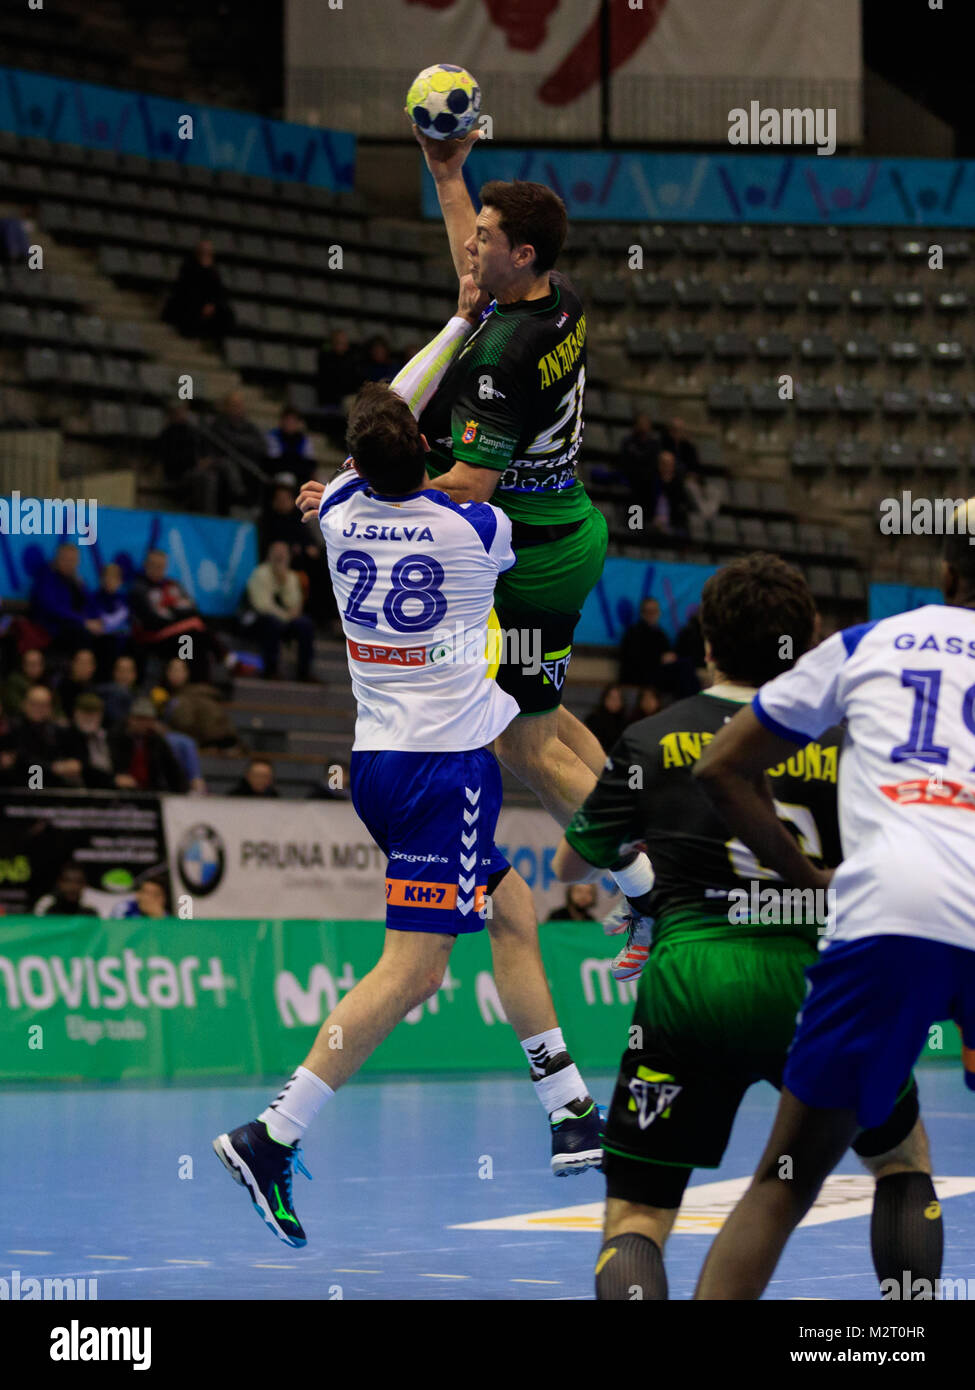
718,998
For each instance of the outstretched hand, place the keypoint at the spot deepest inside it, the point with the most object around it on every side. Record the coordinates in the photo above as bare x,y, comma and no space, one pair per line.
445,158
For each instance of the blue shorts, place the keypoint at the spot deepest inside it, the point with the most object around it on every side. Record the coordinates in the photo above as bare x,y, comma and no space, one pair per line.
433,815
866,1018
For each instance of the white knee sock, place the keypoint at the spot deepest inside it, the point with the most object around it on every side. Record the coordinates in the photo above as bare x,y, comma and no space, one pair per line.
555,1089
296,1105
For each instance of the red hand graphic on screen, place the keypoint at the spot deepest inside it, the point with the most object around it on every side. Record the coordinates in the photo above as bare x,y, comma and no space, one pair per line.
579,69
524,24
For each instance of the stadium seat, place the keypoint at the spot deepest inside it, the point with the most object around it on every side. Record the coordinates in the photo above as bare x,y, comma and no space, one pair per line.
905,352
249,317
781,535
610,291
652,292
282,321
781,297
850,586
855,400
742,243
644,342
815,400
948,353
727,398
868,247
743,494
658,242
91,331
810,538
951,302
741,296
275,357
766,399
862,348
907,300
107,420
42,364
899,456
945,405
687,345
817,348
753,533
119,374
910,249
868,299
146,422
731,347
694,294
240,353
900,404
700,243
855,455
826,297
724,530
16,322
787,244
774,347
941,458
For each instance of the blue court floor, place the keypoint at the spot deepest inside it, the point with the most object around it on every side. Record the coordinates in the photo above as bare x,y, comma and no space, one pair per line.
93,1189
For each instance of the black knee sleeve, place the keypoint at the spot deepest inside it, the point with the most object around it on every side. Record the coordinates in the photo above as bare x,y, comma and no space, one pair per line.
906,1232
630,1267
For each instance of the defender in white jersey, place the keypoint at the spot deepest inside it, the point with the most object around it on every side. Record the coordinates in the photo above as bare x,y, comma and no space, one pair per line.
414,575
899,951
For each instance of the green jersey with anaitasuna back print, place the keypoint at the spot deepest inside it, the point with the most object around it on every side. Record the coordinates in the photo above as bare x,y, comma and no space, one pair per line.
512,400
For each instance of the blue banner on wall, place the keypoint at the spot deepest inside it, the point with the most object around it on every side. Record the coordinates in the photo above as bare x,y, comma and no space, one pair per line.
888,599
615,602
106,118
607,185
212,558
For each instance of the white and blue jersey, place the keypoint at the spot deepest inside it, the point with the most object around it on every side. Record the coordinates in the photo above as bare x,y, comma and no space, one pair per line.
414,579
905,687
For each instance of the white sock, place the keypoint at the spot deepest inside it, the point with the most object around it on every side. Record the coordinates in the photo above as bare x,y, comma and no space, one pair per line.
636,879
540,1048
296,1105
554,1089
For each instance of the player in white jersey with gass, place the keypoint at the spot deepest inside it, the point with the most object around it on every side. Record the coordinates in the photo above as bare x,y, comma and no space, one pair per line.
414,575
899,950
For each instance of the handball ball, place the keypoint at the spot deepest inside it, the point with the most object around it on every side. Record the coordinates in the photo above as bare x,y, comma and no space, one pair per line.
443,101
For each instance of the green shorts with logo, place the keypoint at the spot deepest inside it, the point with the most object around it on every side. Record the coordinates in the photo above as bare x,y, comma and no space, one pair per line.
538,603
713,1015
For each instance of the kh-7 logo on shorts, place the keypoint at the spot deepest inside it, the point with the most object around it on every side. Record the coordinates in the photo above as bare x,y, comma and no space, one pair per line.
653,1094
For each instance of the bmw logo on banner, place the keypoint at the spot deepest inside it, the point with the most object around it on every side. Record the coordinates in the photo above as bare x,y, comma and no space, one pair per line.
200,858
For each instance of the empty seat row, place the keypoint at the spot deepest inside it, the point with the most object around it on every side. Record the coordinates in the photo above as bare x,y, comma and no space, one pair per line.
278,359
699,295
107,373
733,397
861,455
109,420
27,322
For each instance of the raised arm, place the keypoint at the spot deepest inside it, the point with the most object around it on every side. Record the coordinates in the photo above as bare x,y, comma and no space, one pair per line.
445,160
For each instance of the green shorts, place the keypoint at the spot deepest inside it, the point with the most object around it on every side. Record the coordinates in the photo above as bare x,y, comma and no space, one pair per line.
711,1018
539,602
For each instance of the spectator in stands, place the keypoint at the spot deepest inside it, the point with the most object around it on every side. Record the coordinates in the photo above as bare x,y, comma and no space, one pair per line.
164,613
59,602
109,607
79,679
120,691
87,741
289,446
675,439
638,459
151,900
194,708
258,780
670,502
608,720
8,751
281,522
648,701
143,759
233,436
332,786
645,648
33,671
704,495
689,644
207,483
198,306
275,594
188,757
378,363
41,746
580,899
338,372
68,899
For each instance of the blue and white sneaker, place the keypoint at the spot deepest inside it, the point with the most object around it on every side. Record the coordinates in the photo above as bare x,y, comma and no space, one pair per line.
263,1166
577,1140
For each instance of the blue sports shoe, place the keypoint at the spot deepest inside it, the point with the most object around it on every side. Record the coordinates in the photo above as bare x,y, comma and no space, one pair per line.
577,1140
263,1166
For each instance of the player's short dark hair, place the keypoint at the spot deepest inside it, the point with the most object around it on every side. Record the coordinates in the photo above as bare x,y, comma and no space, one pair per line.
747,608
958,551
529,214
384,440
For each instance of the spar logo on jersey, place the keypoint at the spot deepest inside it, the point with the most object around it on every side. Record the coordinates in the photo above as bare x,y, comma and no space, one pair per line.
470,430
562,319
931,791
653,1093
